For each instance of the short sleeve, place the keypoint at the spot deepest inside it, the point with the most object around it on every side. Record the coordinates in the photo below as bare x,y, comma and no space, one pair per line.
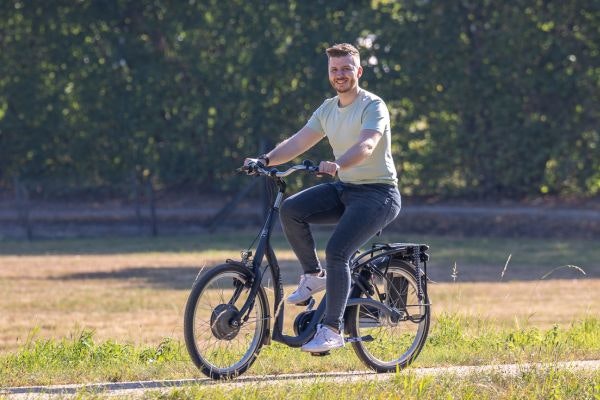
376,117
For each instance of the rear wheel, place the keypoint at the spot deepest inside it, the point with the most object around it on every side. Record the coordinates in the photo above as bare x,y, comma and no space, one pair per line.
386,344
221,342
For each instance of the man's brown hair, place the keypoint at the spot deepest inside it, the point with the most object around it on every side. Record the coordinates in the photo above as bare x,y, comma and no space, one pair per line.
342,50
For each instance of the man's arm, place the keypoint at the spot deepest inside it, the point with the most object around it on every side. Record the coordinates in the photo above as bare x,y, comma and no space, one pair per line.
293,146
356,154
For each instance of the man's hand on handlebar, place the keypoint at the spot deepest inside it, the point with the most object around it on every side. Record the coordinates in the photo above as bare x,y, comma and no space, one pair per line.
328,167
249,161
255,166
251,166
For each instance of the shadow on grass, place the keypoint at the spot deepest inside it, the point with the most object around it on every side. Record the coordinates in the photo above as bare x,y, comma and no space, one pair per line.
478,259
234,241
182,277
178,278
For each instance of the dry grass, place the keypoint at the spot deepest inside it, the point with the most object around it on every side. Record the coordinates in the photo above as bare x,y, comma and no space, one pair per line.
59,295
521,304
140,297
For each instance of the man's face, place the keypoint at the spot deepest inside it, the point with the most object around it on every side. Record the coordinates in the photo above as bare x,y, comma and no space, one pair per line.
344,73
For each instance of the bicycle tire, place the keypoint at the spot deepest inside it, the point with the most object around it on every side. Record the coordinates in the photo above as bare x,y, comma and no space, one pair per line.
386,345
219,348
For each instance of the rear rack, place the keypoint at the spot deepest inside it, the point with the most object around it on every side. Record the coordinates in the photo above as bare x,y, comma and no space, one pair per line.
381,254
404,250
412,252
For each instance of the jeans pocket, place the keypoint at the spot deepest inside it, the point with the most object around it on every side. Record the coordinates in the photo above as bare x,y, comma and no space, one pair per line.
393,210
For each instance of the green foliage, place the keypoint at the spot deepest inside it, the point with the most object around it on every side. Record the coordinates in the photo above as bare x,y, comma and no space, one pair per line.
167,350
460,340
55,361
448,331
493,95
453,340
487,98
535,384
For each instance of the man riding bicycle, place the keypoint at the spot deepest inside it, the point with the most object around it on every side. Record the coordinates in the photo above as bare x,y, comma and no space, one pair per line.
361,202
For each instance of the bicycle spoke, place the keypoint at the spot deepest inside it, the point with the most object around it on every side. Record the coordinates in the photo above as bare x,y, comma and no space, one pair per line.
216,344
394,342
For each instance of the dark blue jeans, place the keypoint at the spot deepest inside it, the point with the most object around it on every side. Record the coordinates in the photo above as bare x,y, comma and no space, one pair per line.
359,211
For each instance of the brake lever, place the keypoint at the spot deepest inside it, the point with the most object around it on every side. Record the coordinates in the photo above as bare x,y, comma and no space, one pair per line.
249,169
310,166
253,168
315,170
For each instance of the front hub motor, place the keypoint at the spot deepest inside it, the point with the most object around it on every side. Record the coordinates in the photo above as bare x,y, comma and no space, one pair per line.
225,322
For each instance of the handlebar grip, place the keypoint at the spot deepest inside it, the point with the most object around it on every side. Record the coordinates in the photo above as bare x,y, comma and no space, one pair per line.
257,168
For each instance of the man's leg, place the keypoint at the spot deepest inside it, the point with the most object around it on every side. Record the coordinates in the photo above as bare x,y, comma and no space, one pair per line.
319,204
367,210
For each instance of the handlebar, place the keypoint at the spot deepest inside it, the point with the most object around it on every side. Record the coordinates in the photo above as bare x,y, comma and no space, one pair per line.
257,168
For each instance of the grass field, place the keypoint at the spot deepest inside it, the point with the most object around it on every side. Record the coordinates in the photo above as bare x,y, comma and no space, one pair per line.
111,309
544,384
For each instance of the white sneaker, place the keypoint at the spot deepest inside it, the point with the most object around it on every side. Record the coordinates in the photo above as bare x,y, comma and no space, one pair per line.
324,340
309,284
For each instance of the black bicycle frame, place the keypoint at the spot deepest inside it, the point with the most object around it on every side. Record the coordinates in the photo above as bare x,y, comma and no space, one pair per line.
264,249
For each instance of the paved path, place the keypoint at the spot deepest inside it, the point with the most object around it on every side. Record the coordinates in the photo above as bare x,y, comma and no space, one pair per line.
137,389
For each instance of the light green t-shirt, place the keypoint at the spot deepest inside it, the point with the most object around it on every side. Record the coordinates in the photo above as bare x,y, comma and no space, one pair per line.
342,126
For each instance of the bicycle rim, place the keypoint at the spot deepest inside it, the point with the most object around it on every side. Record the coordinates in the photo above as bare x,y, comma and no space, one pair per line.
220,347
386,345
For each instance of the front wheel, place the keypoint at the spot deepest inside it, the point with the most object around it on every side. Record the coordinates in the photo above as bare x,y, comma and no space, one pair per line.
386,344
221,342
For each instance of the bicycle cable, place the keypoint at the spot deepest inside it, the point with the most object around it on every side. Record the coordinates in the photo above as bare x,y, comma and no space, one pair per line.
269,189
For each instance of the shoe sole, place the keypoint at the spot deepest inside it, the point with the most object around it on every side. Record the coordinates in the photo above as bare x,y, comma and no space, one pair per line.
305,301
317,351
298,303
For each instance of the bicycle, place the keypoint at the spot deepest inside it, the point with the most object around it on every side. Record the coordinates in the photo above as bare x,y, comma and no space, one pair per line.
227,317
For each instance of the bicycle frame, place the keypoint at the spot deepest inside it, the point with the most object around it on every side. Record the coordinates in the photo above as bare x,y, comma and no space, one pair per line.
378,254
264,249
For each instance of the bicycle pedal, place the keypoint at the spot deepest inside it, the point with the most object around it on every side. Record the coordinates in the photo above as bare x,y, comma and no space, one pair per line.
367,338
324,353
305,302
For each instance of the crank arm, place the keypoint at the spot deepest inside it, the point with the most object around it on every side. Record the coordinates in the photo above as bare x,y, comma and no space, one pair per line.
367,338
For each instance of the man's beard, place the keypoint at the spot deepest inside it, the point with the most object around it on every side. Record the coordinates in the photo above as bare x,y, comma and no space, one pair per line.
349,83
